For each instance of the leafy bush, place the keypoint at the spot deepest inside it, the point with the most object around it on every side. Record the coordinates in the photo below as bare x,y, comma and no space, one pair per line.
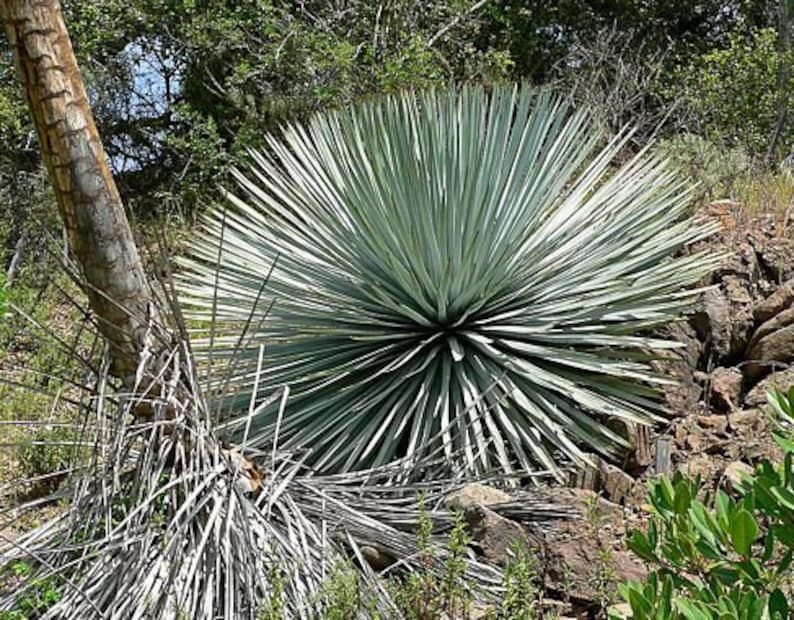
721,557
731,95
464,273
716,169
44,454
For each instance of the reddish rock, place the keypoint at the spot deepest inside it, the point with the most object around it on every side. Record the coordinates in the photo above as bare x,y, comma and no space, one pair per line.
496,536
714,423
778,301
578,556
747,420
725,388
772,342
472,494
701,465
609,480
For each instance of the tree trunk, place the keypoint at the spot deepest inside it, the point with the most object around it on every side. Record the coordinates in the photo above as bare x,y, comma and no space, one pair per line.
88,199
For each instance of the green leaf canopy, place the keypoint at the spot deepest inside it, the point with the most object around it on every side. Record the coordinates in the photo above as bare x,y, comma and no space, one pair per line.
462,273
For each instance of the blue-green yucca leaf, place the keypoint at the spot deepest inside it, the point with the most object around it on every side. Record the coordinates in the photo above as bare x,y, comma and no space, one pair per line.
466,272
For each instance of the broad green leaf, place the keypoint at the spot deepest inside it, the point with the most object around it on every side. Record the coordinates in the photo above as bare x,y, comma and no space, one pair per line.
743,531
683,498
778,605
692,610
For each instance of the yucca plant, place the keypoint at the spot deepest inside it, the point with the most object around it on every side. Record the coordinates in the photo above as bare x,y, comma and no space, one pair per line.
155,518
465,272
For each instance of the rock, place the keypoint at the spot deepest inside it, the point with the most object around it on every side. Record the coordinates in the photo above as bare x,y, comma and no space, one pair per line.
376,558
615,484
713,322
724,317
682,397
778,301
694,442
699,465
573,552
680,364
726,388
580,499
620,610
781,380
553,608
735,472
773,253
683,333
779,321
640,454
495,535
714,423
776,347
724,211
773,341
578,559
472,494
741,260
746,420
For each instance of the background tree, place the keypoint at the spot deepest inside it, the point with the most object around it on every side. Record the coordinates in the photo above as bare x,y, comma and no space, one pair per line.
89,203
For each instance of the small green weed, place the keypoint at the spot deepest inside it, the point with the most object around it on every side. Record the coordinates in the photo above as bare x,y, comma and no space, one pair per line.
40,594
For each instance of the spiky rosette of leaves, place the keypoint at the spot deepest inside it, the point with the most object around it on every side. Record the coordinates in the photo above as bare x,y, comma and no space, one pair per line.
462,271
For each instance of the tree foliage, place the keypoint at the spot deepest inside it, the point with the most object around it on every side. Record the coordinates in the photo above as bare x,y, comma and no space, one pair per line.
181,88
729,94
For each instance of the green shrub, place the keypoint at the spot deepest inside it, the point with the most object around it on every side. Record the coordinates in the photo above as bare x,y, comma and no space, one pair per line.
721,557
523,587
731,173
717,170
43,454
730,95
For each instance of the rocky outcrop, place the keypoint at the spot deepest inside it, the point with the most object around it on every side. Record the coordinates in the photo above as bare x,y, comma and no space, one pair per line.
724,317
710,446
576,559
610,481
745,321
587,555
775,303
